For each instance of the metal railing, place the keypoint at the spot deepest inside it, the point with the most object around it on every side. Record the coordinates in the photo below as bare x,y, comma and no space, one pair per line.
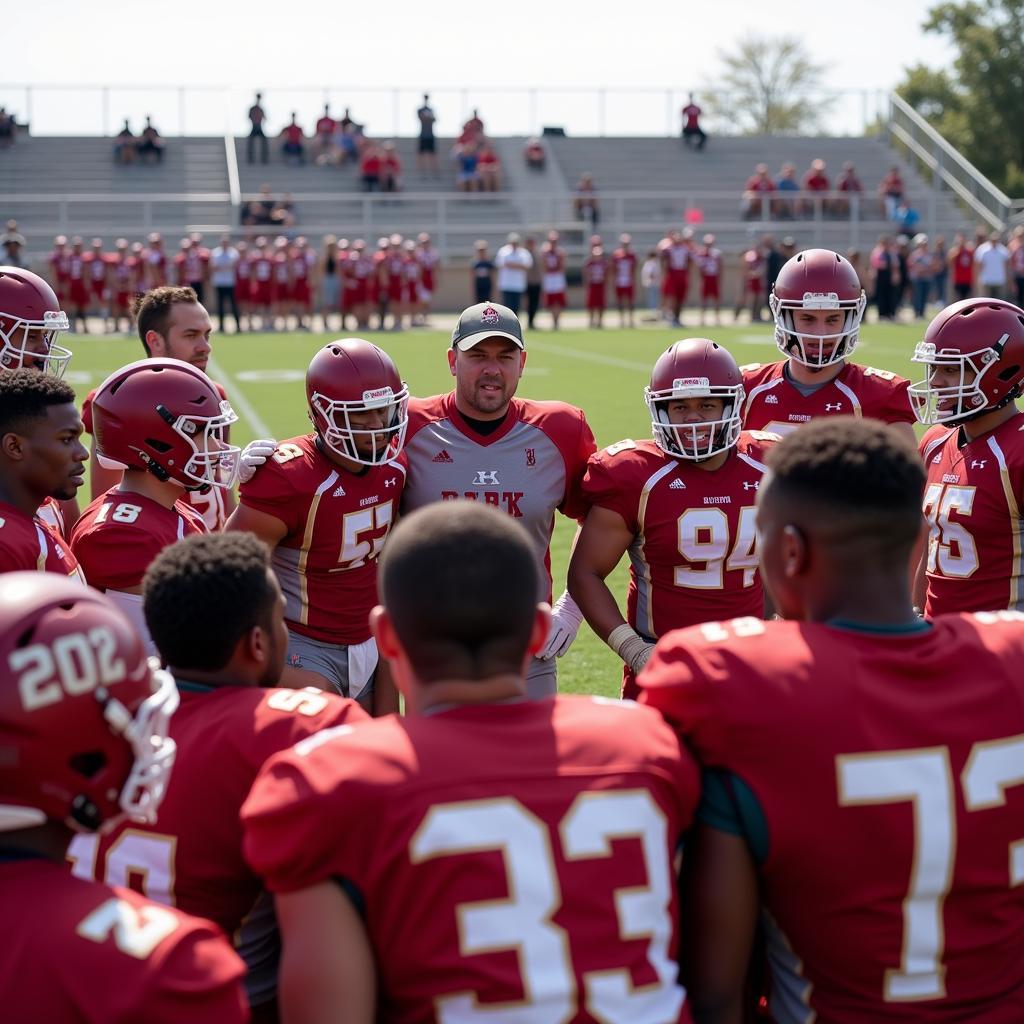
948,168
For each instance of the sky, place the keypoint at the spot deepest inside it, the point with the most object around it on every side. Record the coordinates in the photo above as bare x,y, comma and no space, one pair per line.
200,72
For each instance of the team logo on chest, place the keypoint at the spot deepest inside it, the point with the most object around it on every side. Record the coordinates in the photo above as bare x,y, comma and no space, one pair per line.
978,463
771,400
751,485
829,407
531,456
677,485
486,477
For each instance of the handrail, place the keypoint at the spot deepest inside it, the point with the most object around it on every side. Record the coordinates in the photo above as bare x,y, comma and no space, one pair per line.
234,182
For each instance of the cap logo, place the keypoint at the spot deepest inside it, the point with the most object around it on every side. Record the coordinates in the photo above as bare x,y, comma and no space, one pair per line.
377,394
489,316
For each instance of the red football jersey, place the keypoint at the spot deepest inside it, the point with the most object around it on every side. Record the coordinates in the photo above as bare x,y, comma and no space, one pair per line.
973,501
773,402
28,544
625,267
337,523
192,858
121,532
694,555
85,952
887,770
544,883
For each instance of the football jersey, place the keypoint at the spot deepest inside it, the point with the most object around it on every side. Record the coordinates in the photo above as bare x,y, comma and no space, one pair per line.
121,532
625,267
530,466
694,554
564,856
972,501
337,523
192,858
210,505
27,543
773,403
886,769
51,512
90,953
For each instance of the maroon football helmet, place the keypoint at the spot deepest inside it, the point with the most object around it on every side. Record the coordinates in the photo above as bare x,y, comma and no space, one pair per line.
352,376
31,320
83,714
813,280
165,416
982,338
695,368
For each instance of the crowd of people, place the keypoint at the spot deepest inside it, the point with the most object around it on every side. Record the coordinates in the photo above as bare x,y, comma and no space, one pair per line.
814,194
146,147
827,713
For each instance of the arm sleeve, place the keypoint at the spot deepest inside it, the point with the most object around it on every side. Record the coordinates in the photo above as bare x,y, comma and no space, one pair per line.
114,558
605,489
728,804
268,491
575,505
898,409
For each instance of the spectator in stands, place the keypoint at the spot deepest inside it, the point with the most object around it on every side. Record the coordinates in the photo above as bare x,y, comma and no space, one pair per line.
473,129
13,242
773,262
426,144
890,190
816,182
758,186
323,139
940,270
390,169
961,259
483,273
1016,247
884,278
124,145
369,167
691,125
848,184
284,214
467,176
348,142
534,154
488,167
257,118
293,142
650,281
785,209
8,129
992,260
533,281
150,144
585,205
906,218
919,274
512,261
224,262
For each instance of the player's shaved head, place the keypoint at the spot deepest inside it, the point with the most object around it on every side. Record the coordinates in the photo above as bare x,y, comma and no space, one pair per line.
459,581
201,595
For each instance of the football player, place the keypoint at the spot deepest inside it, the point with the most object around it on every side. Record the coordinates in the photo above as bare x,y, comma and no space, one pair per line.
215,611
83,736
163,423
863,769
974,456
481,443
325,502
486,851
624,265
818,304
41,457
682,505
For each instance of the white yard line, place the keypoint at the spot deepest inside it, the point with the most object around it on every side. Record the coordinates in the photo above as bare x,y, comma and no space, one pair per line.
237,398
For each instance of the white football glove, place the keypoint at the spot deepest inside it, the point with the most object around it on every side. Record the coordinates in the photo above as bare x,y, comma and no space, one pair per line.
565,623
630,646
254,454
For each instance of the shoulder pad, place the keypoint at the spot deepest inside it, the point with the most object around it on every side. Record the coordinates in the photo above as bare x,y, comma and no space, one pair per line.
871,371
750,367
764,435
620,446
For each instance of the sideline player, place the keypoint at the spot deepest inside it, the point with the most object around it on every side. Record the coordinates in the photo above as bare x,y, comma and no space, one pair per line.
41,457
864,769
469,850
83,730
709,263
325,502
215,611
163,422
675,252
974,456
553,282
481,443
624,265
818,304
682,505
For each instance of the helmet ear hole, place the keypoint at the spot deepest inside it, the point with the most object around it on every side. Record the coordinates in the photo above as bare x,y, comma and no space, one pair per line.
88,764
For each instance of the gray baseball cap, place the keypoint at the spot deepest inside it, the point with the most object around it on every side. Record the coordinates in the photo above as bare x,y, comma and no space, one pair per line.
486,320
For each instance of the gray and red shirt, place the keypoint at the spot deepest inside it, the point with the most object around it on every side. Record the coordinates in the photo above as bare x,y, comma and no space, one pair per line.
530,466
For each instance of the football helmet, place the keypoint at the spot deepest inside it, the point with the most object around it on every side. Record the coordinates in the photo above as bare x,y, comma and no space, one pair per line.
352,376
695,368
31,320
813,280
165,416
83,714
984,340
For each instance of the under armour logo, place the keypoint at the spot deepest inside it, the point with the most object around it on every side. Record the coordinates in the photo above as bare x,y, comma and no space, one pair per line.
486,476
677,485
751,485
390,482
833,408
339,492
978,463
771,400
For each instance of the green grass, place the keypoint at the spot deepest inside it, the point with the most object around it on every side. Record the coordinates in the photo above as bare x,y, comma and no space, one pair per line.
604,372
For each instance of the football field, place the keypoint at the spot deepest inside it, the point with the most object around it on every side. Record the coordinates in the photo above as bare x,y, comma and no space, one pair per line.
604,372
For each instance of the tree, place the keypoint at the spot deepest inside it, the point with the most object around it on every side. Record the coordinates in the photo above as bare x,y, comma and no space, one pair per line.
978,105
770,86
